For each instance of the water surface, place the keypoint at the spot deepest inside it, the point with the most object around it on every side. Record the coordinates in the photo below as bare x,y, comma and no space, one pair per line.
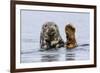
60,54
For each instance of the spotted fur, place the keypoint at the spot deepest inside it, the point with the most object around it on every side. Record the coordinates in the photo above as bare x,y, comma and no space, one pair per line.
50,36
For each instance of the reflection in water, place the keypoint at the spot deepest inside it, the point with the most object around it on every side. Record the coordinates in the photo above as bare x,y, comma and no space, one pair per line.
61,54
49,57
70,55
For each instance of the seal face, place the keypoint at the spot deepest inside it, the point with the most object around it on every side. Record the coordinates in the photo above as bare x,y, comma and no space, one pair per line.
70,36
50,36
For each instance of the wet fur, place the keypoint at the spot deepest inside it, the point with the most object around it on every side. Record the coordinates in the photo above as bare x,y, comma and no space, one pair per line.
50,36
70,36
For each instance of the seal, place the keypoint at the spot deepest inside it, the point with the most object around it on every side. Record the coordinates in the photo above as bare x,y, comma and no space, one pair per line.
70,36
50,36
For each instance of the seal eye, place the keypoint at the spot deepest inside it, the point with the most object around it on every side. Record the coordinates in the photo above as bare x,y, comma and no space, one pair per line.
46,25
55,25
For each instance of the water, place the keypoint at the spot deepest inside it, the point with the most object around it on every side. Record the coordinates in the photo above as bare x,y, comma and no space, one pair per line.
33,53
31,24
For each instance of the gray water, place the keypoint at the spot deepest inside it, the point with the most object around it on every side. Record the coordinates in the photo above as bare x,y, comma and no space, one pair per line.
31,24
33,54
